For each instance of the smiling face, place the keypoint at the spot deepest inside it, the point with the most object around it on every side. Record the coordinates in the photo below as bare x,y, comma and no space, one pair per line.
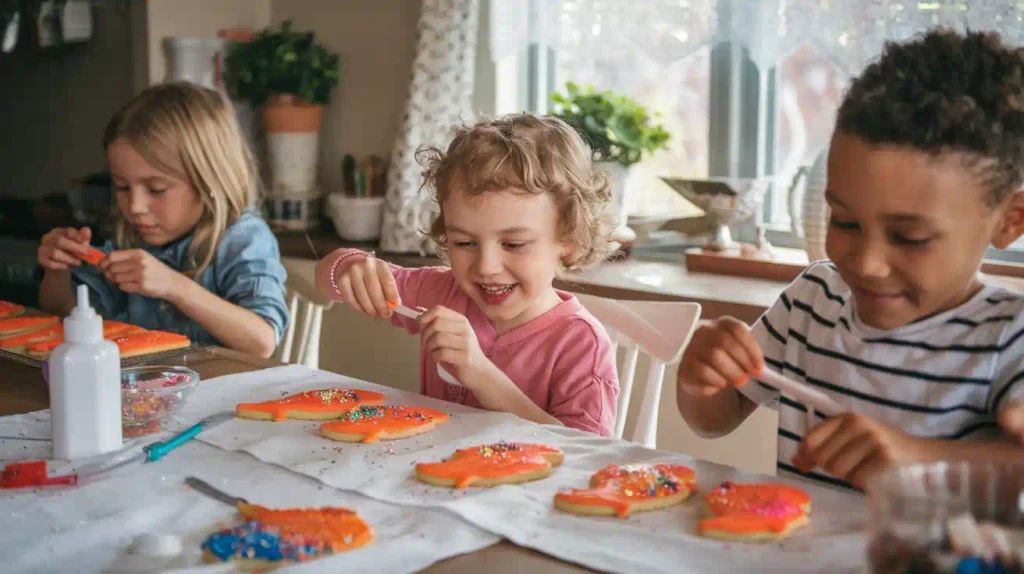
504,252
160,207
909,230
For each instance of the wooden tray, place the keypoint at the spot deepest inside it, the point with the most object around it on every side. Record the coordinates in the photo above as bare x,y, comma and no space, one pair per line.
785,268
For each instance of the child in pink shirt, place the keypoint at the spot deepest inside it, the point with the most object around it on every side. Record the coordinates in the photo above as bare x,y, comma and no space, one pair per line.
518,201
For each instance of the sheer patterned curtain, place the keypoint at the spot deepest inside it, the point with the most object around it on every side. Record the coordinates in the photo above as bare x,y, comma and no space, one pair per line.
439,98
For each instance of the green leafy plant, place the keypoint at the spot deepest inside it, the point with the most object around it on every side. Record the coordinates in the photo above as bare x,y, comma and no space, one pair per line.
281,62
619,129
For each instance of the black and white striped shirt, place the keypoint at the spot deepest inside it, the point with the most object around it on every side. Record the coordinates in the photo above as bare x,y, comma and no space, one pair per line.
943,377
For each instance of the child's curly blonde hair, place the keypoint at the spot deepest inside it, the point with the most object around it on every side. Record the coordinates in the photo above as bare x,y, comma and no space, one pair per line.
526,153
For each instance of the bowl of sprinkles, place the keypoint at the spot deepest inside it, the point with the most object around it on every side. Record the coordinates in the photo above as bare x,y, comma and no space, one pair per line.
152,393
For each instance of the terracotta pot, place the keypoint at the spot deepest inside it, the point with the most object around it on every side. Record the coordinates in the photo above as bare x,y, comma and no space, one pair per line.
285,113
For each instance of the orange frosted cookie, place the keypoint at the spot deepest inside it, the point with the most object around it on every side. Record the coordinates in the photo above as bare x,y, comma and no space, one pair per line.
93,256
491,465
323,404
111,330
265,538
755,512
622,490
18,325
372,423
17,343
149,342
8,309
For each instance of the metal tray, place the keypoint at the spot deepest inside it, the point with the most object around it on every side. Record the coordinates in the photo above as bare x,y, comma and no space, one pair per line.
129,362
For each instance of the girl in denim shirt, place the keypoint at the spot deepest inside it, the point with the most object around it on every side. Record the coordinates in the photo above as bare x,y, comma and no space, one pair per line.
189,254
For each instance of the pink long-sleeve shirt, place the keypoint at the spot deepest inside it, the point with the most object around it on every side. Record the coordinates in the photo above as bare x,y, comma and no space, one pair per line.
563,360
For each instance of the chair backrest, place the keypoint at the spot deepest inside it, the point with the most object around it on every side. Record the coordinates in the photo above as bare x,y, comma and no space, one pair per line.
307,304
658,329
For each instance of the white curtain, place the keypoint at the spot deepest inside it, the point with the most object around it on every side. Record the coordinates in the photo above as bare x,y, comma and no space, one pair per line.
440,97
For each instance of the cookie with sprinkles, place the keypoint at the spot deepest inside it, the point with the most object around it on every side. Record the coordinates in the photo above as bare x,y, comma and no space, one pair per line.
319,405
622,490
266,538
492,465
755,512
374,423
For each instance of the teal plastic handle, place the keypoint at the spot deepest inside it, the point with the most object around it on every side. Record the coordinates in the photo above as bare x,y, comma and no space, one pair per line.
157,450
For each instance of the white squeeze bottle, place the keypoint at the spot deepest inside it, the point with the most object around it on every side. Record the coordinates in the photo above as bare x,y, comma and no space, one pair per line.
85,387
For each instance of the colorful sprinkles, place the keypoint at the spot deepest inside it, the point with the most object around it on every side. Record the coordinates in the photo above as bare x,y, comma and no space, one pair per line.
365,413
500,448
255,540
292,535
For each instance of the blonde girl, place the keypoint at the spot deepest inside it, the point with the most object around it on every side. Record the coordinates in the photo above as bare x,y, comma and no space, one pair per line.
189,255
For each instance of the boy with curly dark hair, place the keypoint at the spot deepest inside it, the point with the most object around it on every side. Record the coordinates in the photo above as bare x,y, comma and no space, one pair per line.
924,174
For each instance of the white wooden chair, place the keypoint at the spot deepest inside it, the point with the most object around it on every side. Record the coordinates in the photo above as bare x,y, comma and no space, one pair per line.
657,329
305,305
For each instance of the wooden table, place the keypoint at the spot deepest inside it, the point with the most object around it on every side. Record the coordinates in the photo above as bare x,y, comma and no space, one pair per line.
22,390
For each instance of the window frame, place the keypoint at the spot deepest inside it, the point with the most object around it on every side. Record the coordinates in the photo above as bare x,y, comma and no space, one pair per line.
525,80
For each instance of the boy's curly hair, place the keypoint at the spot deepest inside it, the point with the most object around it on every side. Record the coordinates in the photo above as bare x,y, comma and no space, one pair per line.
525,153
946,92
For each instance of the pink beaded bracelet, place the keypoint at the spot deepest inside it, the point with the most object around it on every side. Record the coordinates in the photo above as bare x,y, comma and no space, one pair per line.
334,267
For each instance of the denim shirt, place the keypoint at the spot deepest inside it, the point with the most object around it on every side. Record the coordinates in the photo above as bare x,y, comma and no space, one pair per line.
246,271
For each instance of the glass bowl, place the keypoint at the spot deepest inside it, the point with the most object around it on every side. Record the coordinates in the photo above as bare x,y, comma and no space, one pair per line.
152,393
928,517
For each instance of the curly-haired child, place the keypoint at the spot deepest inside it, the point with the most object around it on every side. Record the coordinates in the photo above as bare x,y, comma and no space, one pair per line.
518,201
924,174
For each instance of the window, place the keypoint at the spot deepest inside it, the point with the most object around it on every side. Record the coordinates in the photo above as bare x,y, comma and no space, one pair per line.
697,63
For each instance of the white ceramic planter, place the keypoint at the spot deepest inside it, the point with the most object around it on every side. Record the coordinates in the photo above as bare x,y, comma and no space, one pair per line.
356,218
293,160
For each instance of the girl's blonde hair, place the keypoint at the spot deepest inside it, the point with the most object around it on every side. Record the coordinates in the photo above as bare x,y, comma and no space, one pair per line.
191,133
525,153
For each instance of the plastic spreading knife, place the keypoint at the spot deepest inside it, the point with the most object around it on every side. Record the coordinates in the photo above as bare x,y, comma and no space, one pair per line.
34,473
807,395
414,314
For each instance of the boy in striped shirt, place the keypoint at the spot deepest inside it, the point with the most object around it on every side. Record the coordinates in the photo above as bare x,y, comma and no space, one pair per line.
899,327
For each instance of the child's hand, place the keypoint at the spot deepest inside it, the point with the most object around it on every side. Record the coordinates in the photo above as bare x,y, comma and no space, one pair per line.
855,448
1011,420
721,354
367,286
451,340
64,248
136,271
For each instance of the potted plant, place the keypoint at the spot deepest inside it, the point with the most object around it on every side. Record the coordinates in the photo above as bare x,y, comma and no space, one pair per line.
620,132
289,77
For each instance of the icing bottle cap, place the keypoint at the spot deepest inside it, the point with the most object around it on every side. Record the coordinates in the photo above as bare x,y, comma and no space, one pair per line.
83,325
